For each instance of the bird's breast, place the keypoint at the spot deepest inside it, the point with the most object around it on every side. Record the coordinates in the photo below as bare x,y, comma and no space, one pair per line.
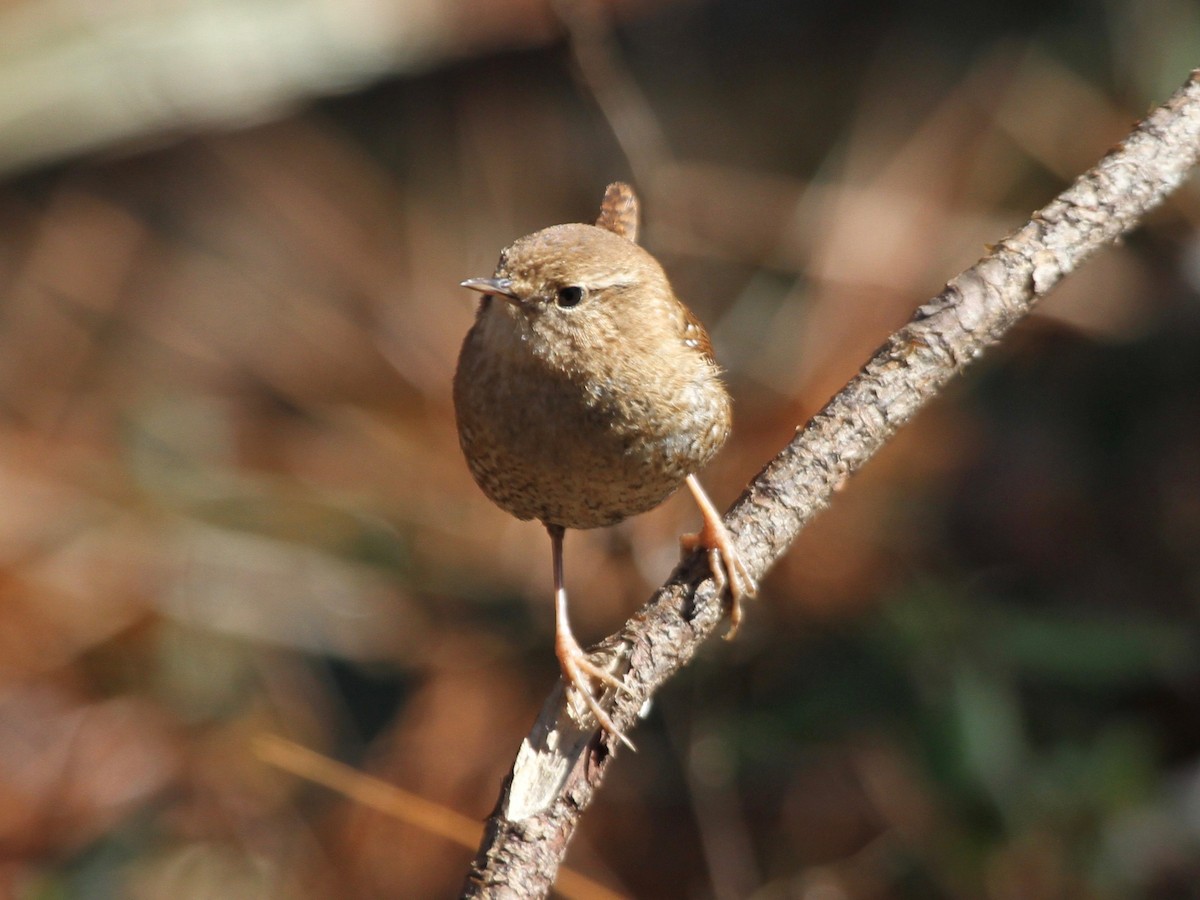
584,447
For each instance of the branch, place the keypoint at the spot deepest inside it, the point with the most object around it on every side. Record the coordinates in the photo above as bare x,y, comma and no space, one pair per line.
560,765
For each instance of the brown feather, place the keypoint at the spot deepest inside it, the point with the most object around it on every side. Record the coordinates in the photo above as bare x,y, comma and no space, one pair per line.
619,211
694,333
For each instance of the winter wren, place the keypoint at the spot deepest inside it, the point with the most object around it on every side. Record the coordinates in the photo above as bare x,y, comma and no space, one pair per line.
586,392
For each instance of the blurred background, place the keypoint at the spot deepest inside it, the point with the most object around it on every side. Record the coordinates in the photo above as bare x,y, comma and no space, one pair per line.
232,504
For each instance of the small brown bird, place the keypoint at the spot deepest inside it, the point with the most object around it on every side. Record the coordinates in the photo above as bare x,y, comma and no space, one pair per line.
586,392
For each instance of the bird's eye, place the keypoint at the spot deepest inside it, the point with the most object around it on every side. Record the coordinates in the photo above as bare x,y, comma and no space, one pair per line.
569,296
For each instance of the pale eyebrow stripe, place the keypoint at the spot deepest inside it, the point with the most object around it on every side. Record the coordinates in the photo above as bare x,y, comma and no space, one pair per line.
617,279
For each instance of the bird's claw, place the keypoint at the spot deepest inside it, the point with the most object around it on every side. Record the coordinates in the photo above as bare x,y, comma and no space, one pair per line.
725,563
577,669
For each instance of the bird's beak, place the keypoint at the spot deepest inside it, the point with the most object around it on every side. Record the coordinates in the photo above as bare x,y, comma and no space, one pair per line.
499,286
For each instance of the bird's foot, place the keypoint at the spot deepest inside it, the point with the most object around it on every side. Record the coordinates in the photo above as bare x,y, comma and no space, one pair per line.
723,558
580,672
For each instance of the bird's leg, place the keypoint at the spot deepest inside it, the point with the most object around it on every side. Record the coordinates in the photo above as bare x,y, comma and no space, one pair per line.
723,558
575,665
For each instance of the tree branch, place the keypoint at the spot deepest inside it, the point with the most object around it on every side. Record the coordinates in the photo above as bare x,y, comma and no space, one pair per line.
560,765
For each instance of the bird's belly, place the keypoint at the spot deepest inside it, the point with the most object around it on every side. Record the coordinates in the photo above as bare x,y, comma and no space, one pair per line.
564,457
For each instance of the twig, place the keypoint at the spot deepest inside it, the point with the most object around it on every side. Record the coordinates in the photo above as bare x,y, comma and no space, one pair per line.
622,102
559,765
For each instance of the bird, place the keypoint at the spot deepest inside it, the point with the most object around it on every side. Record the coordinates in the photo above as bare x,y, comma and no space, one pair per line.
586,392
